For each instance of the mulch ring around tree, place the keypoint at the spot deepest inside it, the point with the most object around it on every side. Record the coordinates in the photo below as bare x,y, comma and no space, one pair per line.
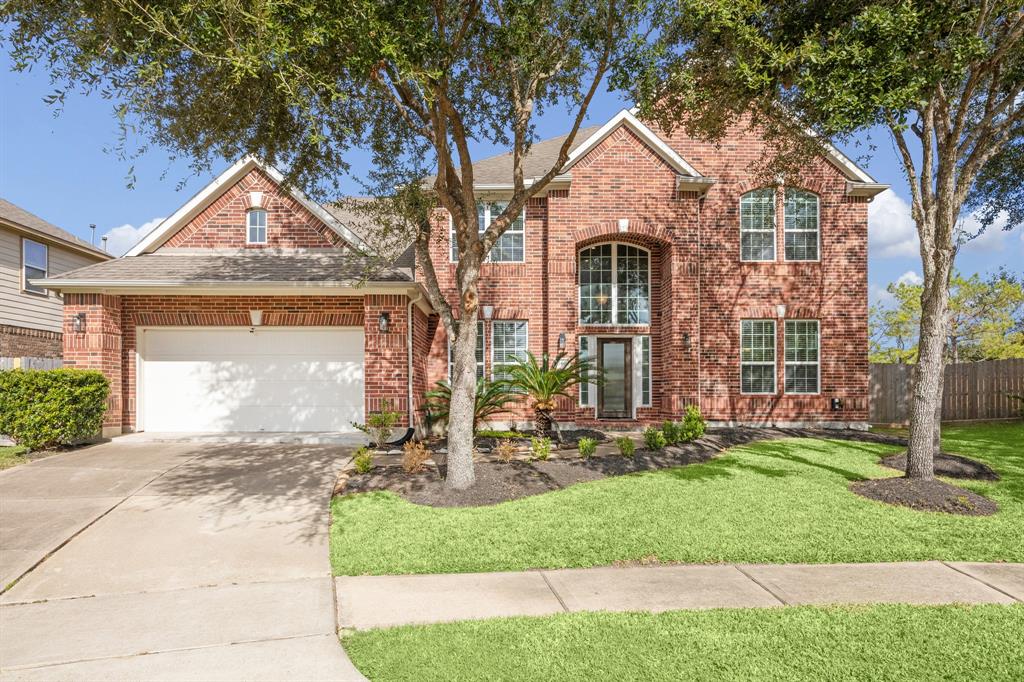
503,481
950,466
925,495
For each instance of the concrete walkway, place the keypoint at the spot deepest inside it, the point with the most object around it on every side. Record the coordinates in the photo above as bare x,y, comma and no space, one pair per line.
384,601
170,561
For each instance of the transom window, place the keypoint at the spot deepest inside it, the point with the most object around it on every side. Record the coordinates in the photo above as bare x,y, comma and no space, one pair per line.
509,341
757,225
511,245
802,356
479,353
615,285
35,263
801,222
257,232
757,356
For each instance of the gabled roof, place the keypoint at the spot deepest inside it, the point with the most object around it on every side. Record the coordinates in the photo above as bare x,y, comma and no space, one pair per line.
627,119
28,222
198,203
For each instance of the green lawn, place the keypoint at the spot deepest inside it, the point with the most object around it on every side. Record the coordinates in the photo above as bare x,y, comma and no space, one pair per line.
891,642
774,502
12,455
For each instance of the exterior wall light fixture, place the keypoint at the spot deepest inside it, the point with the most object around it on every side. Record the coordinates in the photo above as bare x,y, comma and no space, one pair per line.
78,323
384,322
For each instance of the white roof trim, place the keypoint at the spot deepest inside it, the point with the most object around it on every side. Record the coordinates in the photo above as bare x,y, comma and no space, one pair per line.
627,118
198,203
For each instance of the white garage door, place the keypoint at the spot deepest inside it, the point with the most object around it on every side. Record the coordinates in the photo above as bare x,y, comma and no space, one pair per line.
271,379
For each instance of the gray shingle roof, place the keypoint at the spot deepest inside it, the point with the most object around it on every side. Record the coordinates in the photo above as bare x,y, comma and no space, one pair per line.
19,216
224,266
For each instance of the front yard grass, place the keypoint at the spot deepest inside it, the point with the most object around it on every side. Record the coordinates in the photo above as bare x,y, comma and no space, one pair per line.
776,501
12,455
882,642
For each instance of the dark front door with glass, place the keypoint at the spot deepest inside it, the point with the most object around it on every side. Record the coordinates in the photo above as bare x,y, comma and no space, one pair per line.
615,392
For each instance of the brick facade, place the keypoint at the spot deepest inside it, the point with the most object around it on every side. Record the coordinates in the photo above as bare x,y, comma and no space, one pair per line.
22,342
699,288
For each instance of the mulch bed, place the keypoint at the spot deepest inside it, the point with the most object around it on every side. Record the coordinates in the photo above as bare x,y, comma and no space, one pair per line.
951,466
925,495
570,440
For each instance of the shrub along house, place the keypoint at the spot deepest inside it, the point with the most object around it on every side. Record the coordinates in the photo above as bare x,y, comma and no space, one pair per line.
655,255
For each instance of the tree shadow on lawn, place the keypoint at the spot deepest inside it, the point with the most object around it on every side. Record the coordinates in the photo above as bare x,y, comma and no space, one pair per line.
721,468
784,452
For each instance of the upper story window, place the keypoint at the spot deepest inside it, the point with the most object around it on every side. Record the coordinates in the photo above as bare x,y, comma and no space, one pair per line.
257,227
802,232
615,284
757,225
35,258
511,245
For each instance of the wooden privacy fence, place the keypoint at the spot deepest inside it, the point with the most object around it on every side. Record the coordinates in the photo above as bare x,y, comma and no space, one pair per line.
972,391
31,363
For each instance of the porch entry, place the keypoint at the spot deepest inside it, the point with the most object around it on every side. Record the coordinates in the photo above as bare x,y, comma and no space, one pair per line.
615,393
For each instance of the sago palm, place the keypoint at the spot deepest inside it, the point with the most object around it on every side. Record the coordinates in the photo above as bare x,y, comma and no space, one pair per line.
491,397
547,379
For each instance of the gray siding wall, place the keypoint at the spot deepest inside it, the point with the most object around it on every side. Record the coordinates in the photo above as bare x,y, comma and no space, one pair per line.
20,309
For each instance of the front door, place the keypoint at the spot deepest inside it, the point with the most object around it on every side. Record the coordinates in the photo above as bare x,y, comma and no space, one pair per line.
615,393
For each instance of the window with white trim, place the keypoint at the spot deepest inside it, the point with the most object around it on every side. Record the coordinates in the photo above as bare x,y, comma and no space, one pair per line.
509,340
511,245
615,284
802,356
479,353
585,354
35,259
757,225
645,371
802,225
257,226
757,356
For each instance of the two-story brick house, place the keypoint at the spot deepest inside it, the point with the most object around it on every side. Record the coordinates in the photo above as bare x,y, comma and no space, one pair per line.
656,255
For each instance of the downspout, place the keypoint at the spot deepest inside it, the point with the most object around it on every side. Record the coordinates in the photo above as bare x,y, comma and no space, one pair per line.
700,317
408,317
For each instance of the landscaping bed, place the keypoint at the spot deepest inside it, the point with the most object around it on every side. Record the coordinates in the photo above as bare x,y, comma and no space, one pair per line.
925,495
522,439
948,465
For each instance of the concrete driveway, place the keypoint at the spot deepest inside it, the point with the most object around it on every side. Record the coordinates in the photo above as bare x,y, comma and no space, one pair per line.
170,561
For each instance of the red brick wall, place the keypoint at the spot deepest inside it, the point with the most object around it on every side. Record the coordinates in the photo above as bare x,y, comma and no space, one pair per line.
698,285
22,342
98,346
224,222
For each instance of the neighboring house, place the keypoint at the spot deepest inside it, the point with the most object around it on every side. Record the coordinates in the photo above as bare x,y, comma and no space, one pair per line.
654,254
31,317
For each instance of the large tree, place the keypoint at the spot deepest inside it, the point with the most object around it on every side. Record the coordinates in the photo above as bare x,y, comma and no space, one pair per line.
942,79
986,320
300,83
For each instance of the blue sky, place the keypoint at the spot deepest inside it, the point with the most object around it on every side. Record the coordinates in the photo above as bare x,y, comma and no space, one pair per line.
60,168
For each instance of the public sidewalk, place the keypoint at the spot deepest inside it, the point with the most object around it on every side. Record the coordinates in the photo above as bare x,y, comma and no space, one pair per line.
366,602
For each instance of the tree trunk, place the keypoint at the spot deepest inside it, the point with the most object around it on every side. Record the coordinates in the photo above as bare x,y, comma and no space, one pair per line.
463,406
926,400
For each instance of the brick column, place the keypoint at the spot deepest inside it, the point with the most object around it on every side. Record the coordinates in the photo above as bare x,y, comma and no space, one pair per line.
97,346
386,359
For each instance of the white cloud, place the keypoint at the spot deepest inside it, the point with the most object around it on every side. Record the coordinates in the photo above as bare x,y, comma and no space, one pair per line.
891,229
910,277
878,295
993,240
124,237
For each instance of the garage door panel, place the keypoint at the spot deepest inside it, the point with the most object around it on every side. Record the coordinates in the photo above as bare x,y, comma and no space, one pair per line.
276,379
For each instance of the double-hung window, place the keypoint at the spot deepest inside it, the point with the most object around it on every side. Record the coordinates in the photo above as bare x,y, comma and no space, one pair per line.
801,225
615,284
257,227
35,264
479,353
757,356
802,356
511,245
509,341
757,225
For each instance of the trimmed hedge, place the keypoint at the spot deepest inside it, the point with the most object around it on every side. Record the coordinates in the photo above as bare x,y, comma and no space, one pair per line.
44,408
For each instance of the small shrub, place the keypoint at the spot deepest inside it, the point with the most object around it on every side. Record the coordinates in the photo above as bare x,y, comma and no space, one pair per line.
627,448
363,460
540,447
380,424
43,408
693,424
505,450
414,455
486,433
654,439
672,431
587,446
